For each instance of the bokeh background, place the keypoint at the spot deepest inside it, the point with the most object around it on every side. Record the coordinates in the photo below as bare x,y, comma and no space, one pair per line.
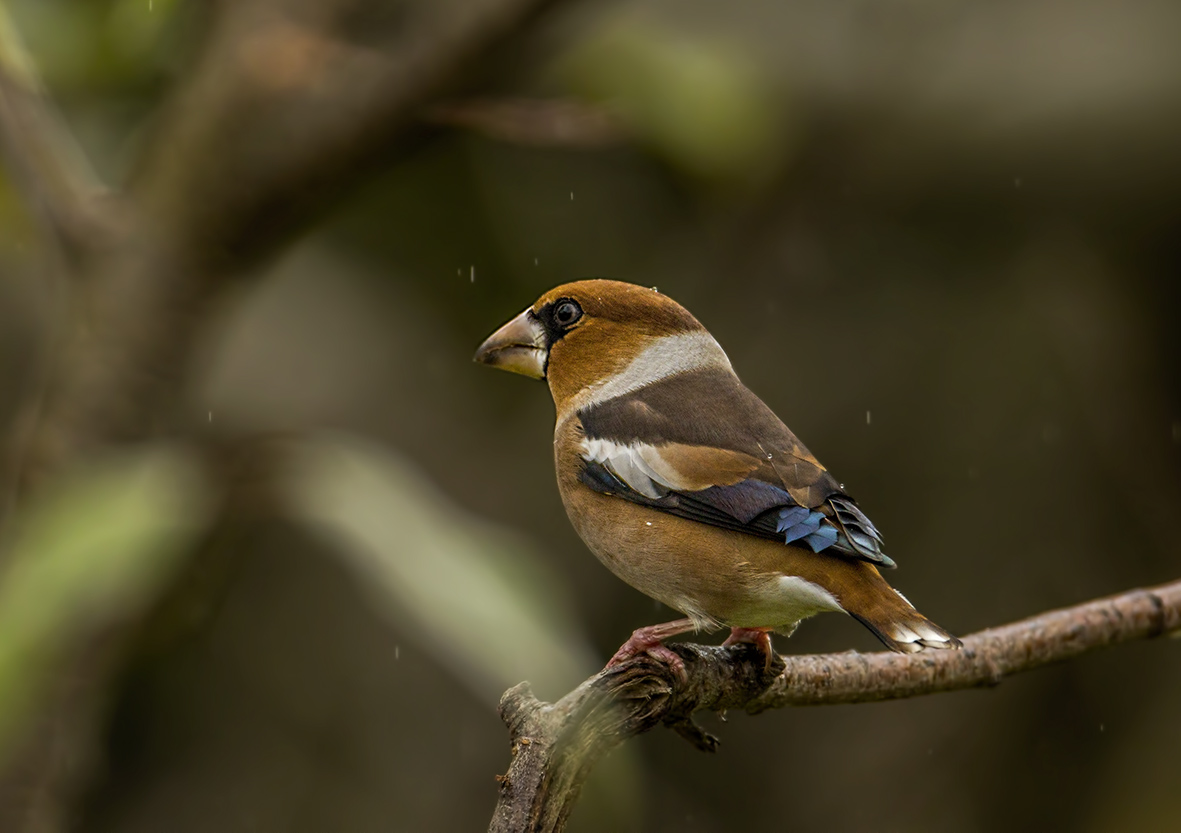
941,240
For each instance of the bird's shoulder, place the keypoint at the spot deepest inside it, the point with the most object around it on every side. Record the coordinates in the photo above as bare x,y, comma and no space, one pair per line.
706,421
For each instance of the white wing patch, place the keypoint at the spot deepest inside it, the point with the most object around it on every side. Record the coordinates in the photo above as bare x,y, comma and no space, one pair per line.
639,465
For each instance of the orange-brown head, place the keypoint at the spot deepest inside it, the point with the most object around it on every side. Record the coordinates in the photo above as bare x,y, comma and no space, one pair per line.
596,337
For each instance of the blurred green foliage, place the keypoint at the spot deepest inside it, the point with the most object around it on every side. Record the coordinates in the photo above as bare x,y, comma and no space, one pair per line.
104,44
479,596
94,549
697,101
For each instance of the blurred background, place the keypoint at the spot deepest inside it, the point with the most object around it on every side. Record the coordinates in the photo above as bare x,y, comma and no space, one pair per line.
276,546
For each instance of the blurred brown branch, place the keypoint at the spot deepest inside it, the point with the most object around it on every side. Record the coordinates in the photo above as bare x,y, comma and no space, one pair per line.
556,745
287,105
536,122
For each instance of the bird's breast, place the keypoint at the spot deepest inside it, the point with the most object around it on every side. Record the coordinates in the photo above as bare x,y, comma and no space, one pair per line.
712,575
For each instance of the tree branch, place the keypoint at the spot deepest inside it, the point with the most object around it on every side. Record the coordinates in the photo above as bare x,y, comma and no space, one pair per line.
555,746
347,77
533,122
289,103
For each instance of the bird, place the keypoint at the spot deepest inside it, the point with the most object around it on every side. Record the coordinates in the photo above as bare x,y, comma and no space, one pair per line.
687,486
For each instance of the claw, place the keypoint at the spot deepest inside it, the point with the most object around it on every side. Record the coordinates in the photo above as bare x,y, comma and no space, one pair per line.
650,641
759,637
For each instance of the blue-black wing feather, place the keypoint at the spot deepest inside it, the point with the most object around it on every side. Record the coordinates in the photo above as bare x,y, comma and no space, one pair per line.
789,498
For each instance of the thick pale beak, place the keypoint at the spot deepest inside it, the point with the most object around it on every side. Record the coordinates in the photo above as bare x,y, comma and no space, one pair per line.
518,346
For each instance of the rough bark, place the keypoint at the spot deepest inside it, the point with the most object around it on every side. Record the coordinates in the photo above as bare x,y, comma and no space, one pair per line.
556,745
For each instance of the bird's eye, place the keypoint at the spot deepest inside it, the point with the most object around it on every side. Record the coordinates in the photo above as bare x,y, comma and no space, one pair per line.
566,313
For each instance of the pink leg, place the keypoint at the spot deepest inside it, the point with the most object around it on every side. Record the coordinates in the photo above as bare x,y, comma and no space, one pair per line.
649,641
755,636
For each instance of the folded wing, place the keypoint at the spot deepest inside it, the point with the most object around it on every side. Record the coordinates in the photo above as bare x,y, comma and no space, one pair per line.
701,446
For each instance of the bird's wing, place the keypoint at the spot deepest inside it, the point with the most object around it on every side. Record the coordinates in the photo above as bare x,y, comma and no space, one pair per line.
701,446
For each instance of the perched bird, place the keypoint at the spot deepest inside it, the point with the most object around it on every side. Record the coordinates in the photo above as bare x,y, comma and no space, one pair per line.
686,485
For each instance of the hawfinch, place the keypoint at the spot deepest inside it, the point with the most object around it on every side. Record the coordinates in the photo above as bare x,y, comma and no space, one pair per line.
686,485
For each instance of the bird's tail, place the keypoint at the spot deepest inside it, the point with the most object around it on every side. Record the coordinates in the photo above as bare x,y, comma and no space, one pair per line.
902,628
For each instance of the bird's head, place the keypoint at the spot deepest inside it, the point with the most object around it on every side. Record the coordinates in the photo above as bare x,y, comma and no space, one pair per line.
595,339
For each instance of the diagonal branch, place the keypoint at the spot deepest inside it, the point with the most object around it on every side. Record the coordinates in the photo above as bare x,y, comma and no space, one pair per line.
289,104
555,745
533,121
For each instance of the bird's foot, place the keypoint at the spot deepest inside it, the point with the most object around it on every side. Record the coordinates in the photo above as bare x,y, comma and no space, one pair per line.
759,637
650,641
